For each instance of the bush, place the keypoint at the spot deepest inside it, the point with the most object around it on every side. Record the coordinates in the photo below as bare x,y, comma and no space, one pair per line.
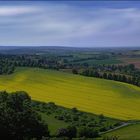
69,132
72,131
88,132
62,132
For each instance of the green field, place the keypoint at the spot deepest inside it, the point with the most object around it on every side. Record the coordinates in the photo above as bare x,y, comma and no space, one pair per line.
131,132
53,124
113,99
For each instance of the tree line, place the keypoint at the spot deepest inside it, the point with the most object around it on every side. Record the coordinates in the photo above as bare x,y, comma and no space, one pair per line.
127,73
6,67
44,61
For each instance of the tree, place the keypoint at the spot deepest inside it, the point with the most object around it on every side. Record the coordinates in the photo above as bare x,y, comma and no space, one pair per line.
88,132
74,71
105,75
115,77
96,74
120,78
110,76
124,79
18,121
72,131
69,132
131,66
101,116
85,72
62,132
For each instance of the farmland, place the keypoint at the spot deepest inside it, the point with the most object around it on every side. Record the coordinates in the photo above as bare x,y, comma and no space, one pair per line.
70,70
129,60
99,96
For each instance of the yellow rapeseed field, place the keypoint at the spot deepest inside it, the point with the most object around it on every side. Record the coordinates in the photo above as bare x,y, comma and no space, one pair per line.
98,96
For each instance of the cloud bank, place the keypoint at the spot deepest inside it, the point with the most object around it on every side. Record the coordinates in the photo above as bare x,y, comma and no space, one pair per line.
69,25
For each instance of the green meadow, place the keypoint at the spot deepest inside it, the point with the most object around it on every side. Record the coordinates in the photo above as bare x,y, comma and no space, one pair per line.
131,132
53,124
98,96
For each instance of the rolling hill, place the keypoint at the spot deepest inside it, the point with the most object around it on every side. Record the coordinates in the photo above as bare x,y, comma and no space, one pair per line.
99,96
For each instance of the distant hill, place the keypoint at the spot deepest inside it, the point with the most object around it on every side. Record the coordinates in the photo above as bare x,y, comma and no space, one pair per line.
58,49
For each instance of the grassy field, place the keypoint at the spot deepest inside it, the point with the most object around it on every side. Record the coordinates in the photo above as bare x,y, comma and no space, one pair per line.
99,96
131,132
53,124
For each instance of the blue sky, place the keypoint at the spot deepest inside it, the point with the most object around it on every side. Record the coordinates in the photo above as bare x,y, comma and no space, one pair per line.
77,24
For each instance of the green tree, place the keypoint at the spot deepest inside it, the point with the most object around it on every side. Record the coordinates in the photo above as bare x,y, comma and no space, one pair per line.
105,75
72,131
74,71
88,132
18,120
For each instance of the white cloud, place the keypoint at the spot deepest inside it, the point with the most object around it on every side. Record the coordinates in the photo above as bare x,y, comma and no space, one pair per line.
69,25
16,10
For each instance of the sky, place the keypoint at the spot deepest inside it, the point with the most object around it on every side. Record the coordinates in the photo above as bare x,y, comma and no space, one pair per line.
75,24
